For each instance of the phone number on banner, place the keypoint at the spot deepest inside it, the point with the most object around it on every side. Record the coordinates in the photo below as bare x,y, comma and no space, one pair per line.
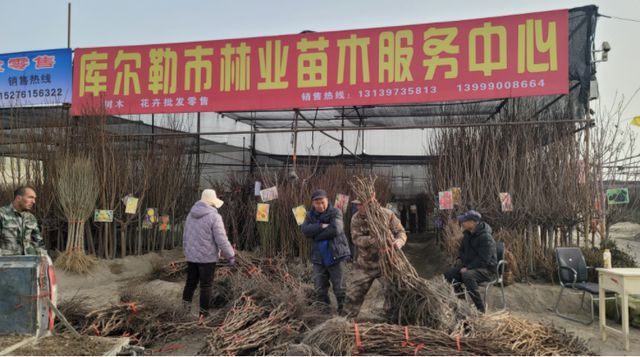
31,93
487,86
392,92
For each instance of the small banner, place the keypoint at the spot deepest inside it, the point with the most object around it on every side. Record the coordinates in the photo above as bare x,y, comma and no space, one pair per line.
342,202
269,194
103,215
617,196
505,202
262,213
445,200
299,213
131,205
456,193
165,221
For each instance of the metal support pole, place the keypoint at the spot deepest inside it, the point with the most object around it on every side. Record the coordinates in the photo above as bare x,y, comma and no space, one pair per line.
69,25
198,154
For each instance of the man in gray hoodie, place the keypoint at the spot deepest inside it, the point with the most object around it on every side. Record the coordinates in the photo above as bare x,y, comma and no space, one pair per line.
203,239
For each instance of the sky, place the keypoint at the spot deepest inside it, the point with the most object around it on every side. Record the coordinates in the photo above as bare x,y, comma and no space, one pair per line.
42,24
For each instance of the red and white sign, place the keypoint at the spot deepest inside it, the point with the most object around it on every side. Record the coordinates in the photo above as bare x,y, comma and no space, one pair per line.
498,57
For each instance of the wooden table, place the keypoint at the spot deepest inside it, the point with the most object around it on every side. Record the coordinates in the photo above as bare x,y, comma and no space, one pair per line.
623,281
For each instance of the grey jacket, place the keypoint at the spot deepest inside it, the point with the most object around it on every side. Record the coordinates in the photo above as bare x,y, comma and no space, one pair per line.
204,235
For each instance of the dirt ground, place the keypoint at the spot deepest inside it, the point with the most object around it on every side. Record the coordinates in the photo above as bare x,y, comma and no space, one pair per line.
533,301
61,345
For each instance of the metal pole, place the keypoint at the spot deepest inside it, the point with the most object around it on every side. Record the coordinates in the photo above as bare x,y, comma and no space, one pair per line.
342,136
587,225
198,154
253,146
295,140
69,25
368,128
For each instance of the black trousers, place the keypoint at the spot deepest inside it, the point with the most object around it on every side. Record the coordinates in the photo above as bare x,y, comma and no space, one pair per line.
334,275
199,273
470,278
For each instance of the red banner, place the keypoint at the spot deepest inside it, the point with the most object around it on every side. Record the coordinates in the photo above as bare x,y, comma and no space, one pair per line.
509,56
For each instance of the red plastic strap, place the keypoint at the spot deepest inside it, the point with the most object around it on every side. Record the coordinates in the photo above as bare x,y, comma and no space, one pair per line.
358,341
406,337
133,308
458,342
418,348
95,329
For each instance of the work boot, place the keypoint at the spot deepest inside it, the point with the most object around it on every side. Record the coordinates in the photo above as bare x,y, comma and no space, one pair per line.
340,301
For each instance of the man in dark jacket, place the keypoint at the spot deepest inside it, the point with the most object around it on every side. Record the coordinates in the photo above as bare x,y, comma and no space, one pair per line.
477,259
324,225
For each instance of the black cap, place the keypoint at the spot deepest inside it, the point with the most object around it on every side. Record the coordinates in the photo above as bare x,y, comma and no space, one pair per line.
470,216
318,194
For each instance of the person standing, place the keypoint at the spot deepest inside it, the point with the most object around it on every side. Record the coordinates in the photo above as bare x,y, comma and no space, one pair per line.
367,265
203,239
325,226
19,232
477,257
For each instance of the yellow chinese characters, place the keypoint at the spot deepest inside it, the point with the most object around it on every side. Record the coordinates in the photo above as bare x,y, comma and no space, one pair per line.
125,76
395,55
438,41
195,66
353,44
92,79
312,66
485,33
273,65
235,67
528,33
163,70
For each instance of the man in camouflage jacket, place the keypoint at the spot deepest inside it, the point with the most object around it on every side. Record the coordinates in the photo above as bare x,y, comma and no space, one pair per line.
19,232
366,266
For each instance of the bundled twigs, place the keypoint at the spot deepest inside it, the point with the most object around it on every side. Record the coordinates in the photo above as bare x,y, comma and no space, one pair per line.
249,327
341,337
414,300
497,335
170,271
529,338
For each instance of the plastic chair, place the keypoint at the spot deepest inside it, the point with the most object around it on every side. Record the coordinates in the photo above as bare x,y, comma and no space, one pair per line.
499,279
572,274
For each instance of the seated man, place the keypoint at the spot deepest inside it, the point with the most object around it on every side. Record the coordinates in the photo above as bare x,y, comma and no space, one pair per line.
477,259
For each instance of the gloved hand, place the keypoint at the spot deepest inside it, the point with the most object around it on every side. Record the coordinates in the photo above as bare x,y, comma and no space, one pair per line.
398,243
232,261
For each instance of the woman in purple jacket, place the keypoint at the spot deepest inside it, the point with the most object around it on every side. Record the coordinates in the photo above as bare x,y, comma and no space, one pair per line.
203,240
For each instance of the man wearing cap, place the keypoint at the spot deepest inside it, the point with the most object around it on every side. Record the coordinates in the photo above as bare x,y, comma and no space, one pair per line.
330,249
367,266
204,237
476,262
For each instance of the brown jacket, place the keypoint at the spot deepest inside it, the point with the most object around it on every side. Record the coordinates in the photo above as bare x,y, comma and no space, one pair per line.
367,255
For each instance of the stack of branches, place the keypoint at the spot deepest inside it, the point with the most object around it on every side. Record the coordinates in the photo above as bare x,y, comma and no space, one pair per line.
340,337
271,309
523,337
171,271
451,239
77,187
143,316
414,300
532,163
251,328
282,235
500,335
526,258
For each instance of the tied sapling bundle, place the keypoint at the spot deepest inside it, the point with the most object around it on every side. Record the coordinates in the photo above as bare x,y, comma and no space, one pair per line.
414,300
